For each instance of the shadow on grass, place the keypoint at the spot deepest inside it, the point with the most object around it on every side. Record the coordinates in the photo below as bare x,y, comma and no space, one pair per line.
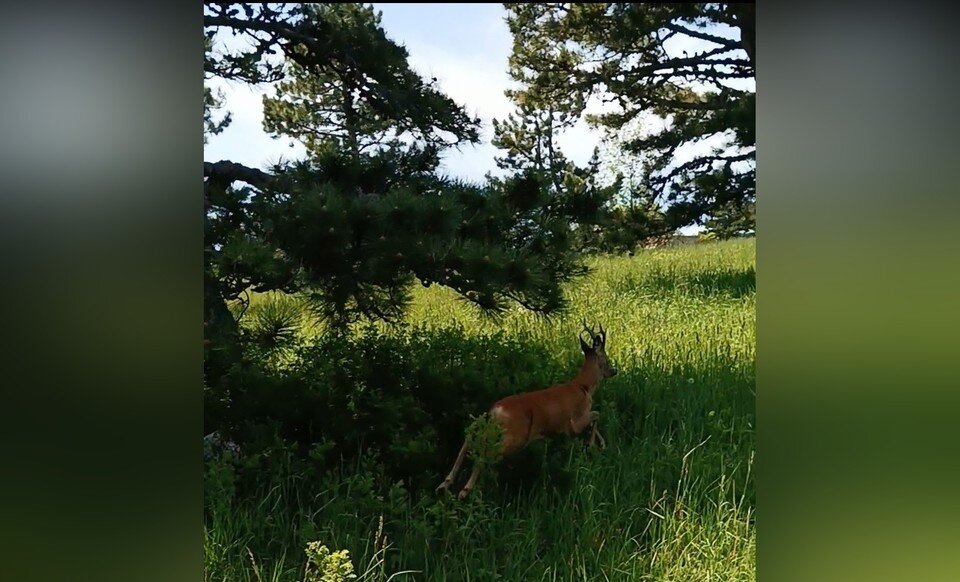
410,399
650,420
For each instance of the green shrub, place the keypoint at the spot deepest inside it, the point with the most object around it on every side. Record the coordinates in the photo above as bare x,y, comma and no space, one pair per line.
326,566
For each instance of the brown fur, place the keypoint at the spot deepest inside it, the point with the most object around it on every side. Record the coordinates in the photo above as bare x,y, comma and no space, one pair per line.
561,409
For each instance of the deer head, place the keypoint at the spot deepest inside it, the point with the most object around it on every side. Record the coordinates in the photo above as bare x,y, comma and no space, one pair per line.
597,347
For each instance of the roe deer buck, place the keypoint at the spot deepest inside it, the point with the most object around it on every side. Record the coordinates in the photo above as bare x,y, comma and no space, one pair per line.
559,409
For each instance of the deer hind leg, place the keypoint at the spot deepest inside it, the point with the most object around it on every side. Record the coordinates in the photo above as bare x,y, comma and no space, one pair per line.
595,433
470,482
445,485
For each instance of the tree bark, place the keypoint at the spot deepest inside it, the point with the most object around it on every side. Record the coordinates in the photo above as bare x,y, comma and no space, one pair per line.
746,15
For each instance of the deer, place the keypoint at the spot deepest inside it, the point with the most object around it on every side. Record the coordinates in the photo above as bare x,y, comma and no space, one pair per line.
561,409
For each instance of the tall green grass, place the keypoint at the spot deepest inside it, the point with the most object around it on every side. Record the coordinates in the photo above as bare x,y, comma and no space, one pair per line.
670,498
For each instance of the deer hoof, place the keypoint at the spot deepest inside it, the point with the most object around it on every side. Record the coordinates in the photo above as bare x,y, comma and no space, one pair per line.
463,494
445,486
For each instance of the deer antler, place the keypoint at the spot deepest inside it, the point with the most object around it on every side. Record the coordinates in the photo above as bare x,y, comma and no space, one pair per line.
588,330
603,334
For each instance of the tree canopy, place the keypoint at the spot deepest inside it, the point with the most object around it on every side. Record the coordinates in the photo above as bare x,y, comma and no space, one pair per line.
618,54
366,213
364,97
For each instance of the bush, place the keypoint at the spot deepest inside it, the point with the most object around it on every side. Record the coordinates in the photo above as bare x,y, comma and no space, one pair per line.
326,566
397,396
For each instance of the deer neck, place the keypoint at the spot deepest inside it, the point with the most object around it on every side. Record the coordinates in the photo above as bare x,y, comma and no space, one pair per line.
589,375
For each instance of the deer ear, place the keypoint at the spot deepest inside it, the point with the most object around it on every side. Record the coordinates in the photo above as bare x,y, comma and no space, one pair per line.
585,347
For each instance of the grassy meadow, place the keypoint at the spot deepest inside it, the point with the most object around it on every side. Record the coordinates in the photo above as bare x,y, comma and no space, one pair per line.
672,496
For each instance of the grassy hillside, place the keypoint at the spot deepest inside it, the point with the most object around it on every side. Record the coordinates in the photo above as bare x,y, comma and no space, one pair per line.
670,498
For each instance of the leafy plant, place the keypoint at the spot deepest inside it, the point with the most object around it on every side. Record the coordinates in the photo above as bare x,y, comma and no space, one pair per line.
326,566
485,436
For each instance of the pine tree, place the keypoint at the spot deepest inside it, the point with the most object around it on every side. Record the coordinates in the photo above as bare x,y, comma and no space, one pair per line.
364,98
528,138
736,218
616,51
212,102
365,215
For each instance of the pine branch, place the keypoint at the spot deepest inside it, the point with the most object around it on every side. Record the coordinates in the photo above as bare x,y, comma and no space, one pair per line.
729,43
225,172
704,160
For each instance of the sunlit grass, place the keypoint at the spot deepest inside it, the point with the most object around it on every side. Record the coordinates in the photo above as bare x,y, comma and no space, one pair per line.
670,498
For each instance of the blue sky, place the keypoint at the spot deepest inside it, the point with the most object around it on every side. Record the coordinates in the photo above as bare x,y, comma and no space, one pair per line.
465,46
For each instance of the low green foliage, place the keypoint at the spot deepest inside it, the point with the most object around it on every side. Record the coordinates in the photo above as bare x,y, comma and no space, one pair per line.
326,566
485,436
344,438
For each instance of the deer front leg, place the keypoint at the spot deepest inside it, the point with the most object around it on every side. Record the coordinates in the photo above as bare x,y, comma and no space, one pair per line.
595,433
445,485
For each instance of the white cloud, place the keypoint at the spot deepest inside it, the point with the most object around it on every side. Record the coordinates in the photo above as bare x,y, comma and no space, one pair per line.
478,85
244,140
